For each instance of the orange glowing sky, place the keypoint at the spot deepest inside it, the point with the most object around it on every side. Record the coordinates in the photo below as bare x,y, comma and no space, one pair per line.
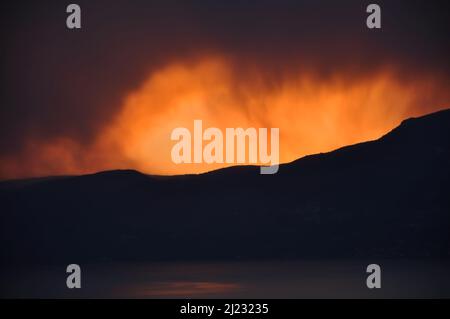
314,114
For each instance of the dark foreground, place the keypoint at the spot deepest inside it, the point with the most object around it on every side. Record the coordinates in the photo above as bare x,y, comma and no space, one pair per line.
385,199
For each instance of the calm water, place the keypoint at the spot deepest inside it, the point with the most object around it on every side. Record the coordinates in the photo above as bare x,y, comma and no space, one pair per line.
311,279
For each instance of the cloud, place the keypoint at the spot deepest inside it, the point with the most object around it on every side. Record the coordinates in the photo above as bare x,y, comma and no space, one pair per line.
67,95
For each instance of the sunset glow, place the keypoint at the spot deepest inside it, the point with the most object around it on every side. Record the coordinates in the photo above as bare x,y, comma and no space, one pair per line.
314,113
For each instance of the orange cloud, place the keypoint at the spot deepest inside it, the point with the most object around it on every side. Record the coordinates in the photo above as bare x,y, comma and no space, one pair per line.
314,114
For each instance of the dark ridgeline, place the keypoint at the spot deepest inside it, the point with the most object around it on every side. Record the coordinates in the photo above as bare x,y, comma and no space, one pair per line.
385,198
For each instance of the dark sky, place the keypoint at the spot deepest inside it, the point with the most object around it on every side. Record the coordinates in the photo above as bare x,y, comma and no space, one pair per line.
57,81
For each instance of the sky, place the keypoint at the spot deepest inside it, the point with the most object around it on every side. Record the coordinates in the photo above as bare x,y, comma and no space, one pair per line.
108,95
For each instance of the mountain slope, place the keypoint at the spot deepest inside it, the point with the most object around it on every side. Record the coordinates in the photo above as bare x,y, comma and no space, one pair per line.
384,198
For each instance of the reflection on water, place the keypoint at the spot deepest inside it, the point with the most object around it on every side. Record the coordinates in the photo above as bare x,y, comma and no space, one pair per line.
300,279
182,289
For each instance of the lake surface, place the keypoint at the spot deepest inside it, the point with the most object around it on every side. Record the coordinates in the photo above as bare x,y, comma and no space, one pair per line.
300,279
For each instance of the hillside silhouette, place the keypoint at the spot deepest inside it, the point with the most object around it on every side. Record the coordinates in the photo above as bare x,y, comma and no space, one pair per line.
386,198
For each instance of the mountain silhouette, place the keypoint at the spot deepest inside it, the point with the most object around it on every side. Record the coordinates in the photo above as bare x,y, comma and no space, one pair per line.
387,198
